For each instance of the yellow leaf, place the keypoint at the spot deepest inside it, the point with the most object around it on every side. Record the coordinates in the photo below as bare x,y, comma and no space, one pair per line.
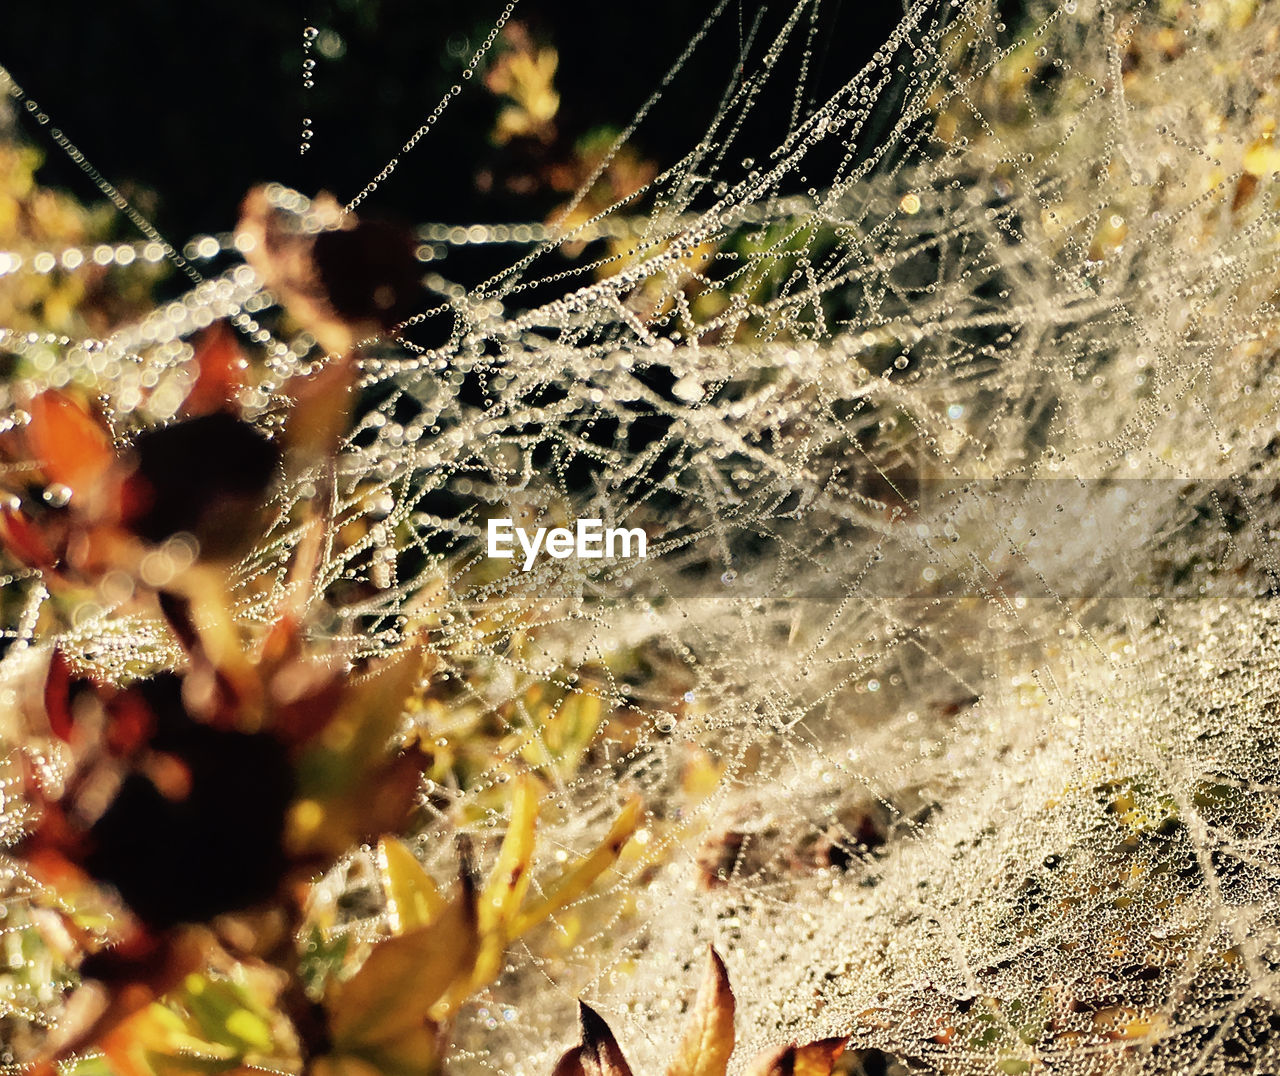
204,588
1121,1022
1262,158
413,900
393,992
320,411
708,1041
598,1054
508,882
415,1053
577,880
700,776
372,709
342,1065
565,732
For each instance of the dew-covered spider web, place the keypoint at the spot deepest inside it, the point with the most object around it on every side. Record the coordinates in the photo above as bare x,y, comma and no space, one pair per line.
947,403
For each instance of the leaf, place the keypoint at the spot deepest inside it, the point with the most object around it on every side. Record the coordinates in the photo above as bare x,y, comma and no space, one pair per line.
198,612
220,1012
25,540
565,732
778,1061
57,696
708,1041
341,277
413,899
598,1054
281,251
222,368
577,880
116,1013
351,787
196,1064
815,1059
71,446
508,881
343,1065
344,813
369,714
818,1058
393,992
128,1045
320,960
416,1053
320,412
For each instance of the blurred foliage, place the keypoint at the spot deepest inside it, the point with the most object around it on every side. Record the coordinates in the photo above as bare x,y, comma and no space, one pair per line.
179,810
184,807
35,219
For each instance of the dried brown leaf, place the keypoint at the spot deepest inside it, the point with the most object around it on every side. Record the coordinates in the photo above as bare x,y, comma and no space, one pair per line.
343,278
598,1054
708,1039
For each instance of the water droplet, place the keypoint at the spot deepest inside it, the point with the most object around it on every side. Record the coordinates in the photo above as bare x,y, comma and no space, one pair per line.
57,495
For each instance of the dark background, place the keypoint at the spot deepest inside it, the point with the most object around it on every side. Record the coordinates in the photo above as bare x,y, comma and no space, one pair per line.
187,105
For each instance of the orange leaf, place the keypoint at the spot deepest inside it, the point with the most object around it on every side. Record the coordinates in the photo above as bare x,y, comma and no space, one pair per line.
598,1054
221,366
779,1061
57,696
818,1058
24,539
708,1041
125,1046
70,445
815,1059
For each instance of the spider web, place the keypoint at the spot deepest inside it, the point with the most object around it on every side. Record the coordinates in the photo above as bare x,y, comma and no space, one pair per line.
950,678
